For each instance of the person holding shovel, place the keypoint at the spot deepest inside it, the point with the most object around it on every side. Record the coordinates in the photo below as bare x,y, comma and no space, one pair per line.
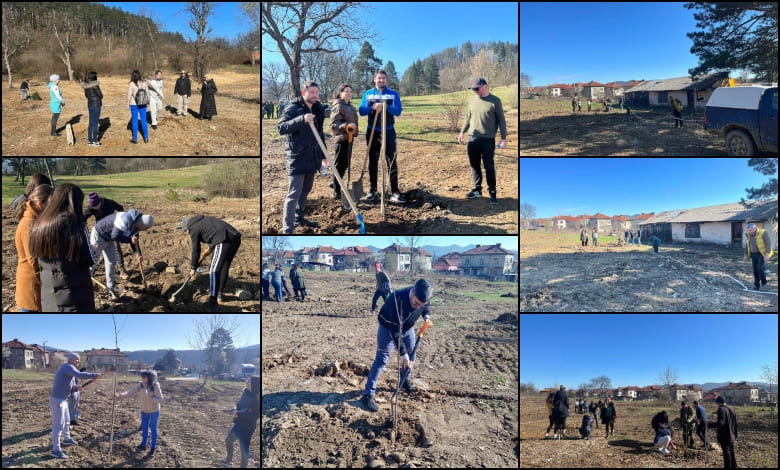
100,207
370,104
396,329
118,227
484,117
64,384
223,241
302,153
343,116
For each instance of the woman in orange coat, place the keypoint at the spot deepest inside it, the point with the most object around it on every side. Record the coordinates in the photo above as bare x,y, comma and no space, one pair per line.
28,282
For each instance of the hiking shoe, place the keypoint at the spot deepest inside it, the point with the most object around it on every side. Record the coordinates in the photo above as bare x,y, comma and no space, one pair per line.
69,442
115,292
140,447
151,452
408,387
372,196
493,199
474,194
58,455
369,403
397,198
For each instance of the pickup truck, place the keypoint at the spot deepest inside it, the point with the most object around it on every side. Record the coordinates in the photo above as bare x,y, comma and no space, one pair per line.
745,116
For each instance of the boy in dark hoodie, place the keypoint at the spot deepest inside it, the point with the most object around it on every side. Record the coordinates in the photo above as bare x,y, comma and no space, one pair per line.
245,416
223,240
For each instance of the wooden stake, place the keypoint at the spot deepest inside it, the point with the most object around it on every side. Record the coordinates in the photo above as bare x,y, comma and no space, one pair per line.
382,155
113,403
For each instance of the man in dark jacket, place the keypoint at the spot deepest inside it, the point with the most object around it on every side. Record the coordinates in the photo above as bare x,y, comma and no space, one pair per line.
396,329
302,153
727,432
560,412
298,282
223,240
182,90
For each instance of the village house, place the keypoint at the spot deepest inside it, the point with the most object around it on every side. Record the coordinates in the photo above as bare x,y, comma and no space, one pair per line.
490,261
600,222
684,392
352,258
101,359
723,224
593,90
691,93
399,258
740,393
18,355
449,263
620,223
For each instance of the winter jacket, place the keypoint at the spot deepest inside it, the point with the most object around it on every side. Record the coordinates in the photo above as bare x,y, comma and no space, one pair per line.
208,106
28,284
66,285
55,98
341,114
302,153
210,230
93,94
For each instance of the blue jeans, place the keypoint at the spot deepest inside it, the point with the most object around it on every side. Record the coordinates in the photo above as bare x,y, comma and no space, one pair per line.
92,129
149,420
385,346
140,112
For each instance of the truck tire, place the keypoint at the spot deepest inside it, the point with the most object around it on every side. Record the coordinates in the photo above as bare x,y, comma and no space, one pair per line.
739,143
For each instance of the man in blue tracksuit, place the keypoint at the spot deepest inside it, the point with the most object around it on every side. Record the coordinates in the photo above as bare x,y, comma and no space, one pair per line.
406,305
371,104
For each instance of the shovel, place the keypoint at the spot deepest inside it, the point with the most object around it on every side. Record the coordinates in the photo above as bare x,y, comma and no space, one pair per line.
357,186
173,297
351,130
344,190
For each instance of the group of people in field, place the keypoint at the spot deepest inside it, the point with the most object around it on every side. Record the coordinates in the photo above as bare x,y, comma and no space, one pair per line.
142,95
691,419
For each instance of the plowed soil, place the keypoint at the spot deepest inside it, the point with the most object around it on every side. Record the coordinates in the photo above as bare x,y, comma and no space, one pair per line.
192,428
166,246
317,354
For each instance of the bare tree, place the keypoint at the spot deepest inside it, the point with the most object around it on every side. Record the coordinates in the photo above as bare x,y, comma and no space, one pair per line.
276,245
668,377
62,26
252,11
14,38
414,242
200,12
290,24
213,335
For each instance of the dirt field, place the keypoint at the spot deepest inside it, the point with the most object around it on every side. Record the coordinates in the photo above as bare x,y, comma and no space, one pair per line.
548,127
234,131
434,177
558,275
631,445
316,357
164,246
192,430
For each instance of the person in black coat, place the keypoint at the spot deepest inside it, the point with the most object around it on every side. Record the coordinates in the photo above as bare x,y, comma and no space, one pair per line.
728,432
208,106
94,103
302,153
560,411
224,241
587,426
182,90
245,416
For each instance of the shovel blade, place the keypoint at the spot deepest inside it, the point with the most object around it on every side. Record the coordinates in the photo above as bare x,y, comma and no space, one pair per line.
357,190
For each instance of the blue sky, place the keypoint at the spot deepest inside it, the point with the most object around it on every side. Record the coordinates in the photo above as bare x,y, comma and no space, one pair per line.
412,31
580,42
633,349
227,20
137,331
297,243
574,186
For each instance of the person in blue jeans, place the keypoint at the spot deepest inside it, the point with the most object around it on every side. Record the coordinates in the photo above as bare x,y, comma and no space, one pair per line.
138,109
245,416
399,313
151,397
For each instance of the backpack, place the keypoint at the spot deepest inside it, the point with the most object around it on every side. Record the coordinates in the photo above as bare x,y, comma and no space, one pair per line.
141,97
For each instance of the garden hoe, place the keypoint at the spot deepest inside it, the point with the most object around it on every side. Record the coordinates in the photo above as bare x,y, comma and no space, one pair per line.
344,189
173,297
404,378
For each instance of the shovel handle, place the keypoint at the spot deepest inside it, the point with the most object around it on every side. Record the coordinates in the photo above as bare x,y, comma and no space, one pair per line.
424,327
351,130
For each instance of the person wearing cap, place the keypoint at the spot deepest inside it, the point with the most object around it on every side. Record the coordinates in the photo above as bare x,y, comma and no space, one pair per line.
223,240
182,89
64,384
396,329
298,282
208,106
727,429
383,287
56,102
484,117
758,247
100,207
118,227
302,153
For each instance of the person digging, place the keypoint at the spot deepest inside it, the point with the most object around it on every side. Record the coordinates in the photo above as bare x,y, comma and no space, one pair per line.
406,305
